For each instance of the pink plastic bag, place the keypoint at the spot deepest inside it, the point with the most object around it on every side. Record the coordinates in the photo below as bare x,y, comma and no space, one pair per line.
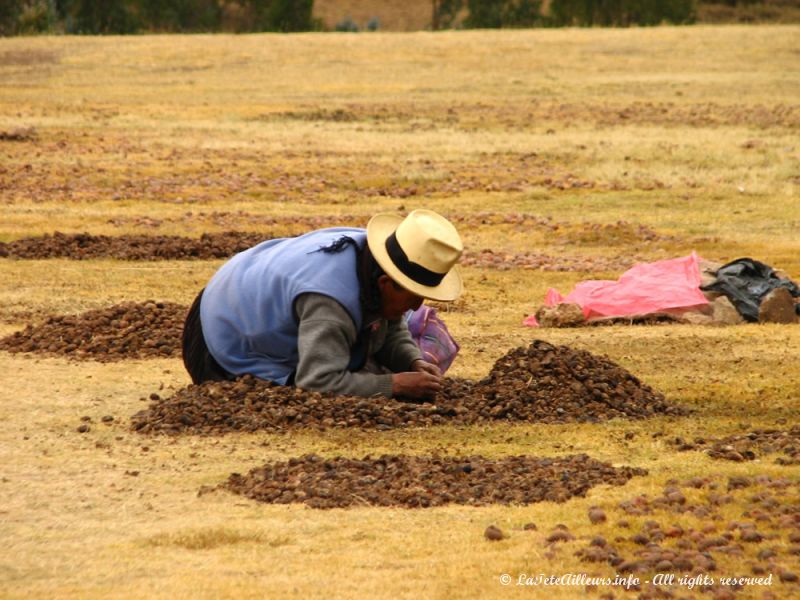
431,335
643,289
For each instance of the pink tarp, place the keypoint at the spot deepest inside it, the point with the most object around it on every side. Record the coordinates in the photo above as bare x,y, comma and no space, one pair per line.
644,288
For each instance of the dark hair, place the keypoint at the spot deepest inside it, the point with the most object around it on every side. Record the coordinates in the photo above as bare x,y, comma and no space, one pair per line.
368,270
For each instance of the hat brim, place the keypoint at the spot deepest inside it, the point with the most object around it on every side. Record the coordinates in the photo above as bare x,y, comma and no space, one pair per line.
379,228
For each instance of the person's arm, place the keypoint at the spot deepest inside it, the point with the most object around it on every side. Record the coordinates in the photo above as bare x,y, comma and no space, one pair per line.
399,351
326,335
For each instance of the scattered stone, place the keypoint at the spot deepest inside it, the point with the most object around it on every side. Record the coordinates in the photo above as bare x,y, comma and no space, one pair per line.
750,445
630,566
598,540
559,535
771,503
736,483
766,553
751,536
696,482
705,544
83,428
206,489
596,515
493,534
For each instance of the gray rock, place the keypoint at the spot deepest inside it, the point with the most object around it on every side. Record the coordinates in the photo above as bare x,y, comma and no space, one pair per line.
724,312
560,315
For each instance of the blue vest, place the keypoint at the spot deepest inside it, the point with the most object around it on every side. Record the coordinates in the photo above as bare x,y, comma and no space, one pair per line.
247,309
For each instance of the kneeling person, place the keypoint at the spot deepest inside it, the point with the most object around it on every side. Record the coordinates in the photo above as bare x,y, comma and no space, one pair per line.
323,311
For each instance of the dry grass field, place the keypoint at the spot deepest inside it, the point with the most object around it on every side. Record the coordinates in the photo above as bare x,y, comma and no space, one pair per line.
688,134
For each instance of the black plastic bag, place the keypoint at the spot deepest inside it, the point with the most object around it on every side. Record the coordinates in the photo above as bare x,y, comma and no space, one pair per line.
745,282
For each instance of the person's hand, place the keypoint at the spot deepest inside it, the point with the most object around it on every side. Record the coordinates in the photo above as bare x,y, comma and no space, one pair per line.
424,366
416,384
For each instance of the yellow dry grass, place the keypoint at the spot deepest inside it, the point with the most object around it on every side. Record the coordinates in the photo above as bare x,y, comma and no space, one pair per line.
691,132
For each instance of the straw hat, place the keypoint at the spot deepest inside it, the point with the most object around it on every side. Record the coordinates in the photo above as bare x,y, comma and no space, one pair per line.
418,252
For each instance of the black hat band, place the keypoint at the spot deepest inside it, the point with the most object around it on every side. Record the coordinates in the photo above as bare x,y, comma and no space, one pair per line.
411,269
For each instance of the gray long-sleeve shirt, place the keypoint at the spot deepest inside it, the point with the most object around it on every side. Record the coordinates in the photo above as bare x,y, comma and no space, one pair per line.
326,335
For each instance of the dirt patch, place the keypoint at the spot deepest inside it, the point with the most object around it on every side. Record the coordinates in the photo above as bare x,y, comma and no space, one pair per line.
420,482
336,115
670,114
750,446
82,246
539,384
471,116
228,219
503,261
128,330
304,223
295,178
611,234
28,57
764,534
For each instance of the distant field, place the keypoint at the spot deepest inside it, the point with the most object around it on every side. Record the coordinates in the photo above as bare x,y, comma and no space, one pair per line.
615,145
411,15
416,15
